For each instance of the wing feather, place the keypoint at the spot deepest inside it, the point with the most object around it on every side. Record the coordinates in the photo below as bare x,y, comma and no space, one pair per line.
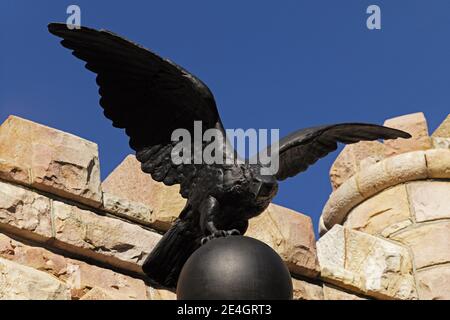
146,95
303,148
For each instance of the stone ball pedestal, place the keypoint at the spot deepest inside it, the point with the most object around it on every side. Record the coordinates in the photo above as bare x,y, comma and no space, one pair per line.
234,268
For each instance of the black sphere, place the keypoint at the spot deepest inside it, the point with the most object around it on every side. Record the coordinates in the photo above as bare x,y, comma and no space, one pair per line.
234,268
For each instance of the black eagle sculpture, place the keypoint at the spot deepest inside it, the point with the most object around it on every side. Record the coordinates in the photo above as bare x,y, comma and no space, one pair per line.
150,97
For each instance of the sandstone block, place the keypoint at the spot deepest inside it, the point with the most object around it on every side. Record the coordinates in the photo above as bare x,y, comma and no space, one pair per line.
434,283
127,209
331,292
443,131
429,243
322,228
160,294
392,171
441,143
18,282
430,200
438,163
416,125
353,157
341,202
386,233
25,212
102,294
304,290
106,239
129,182
79,276
406,167
381,211
382,175
373,179
365,264
59,162
12,172
291,235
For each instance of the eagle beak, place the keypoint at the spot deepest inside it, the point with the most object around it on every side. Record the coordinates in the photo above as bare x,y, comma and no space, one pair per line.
261,189
255,189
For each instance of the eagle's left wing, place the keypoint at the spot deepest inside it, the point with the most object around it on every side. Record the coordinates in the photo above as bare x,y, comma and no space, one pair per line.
304,147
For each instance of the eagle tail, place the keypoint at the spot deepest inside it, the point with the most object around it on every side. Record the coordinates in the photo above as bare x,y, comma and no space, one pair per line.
165,262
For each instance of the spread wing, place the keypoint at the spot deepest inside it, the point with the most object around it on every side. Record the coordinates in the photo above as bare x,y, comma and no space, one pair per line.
146,95
304,147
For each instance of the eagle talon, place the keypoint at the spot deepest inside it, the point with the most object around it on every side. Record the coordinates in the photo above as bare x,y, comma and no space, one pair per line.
233,232
220,234
205,240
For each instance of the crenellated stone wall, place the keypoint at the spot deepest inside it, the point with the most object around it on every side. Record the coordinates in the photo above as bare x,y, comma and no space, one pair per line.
79,238
389,215
67,235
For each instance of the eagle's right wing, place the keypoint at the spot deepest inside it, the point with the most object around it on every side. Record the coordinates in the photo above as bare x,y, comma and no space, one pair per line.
146,95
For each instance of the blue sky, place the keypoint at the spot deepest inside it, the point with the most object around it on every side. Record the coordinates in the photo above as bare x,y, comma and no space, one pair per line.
270,64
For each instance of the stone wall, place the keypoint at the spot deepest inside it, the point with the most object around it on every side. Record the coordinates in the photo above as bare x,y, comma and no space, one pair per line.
65,234
389,215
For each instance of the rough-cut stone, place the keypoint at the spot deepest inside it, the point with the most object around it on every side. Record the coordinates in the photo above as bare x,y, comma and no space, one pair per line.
97,293
381,211
434,283
129,182
11,172
386,233
438,163
322,228
24,212
160,294
365,264
304,290
341,202
416,125
443,131
130,210
430,200
107,239
78,275
59,162
82,276
392,171
69,168
406,167
416,165
430,243
291,235
372,180
331,292
19,282
353,157
441,143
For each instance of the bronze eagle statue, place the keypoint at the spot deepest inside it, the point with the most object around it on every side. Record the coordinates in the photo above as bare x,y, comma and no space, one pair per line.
150,97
